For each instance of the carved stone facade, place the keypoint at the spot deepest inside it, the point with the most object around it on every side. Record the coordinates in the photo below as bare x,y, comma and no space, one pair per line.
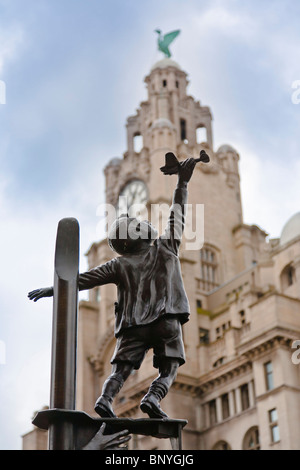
239,388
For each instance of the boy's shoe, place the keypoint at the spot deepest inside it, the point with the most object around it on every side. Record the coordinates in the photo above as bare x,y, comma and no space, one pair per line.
150,405
104,409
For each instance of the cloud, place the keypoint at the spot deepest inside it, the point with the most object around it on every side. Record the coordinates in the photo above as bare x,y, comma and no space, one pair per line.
233,23
27,262
244,72
263,184
25,388
11,38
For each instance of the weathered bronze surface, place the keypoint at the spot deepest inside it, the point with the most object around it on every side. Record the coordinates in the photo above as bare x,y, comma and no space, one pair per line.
64,330
172,165
86,428
151,308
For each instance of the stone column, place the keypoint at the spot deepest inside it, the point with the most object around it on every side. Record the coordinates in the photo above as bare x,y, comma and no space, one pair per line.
176,116
209,134
206,420
163,106
238,400
219,409
251,394
200,417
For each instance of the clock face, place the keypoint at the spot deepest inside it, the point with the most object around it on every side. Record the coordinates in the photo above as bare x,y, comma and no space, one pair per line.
132,199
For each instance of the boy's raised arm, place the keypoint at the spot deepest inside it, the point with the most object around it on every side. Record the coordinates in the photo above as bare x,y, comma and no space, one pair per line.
175,226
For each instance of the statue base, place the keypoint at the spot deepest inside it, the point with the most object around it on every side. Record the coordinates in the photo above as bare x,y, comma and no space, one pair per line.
84,427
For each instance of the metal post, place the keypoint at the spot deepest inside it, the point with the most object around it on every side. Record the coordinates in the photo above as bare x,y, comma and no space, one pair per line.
64,331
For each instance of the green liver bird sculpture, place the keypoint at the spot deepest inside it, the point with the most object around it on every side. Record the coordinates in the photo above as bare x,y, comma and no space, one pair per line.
164,41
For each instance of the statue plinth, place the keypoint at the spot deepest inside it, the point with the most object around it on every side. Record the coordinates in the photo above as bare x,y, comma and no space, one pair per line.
84,427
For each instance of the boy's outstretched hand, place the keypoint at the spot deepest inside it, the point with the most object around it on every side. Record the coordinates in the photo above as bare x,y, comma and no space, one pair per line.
186,170
39,293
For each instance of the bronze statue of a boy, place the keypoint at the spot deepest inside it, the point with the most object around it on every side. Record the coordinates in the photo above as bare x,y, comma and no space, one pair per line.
152,303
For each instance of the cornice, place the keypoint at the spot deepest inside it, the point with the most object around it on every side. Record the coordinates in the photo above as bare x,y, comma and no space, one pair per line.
276,390
273,339
280,248
274,293
224,374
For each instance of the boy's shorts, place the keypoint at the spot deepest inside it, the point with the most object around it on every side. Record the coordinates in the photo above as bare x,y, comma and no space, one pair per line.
164,336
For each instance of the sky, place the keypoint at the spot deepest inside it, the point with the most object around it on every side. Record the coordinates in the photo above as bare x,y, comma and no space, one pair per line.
73,72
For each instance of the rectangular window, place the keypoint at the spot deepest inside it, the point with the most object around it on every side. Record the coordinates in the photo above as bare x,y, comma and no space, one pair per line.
242,317
212,412
274,428
182,129
225,405
268,367
203,336
199,304
245,397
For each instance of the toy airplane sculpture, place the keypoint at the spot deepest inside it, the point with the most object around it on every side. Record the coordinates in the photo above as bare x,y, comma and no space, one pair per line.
172,164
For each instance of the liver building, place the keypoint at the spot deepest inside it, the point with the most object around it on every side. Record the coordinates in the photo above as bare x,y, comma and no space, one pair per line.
239,388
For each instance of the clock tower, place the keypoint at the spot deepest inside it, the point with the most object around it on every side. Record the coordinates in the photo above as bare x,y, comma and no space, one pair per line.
239,388
169,120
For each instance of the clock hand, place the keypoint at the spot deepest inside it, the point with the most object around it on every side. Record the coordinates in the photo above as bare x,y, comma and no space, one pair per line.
134,195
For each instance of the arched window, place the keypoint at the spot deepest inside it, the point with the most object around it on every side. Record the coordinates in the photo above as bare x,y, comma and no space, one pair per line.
137,143
201,134
221,445
287,277
208,269
251,439
219,362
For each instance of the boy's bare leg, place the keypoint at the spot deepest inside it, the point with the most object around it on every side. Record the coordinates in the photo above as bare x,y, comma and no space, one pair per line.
112,386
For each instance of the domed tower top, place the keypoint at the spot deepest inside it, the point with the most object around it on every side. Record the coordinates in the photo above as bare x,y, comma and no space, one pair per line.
291,229
169,117
164,63
166,75
168,99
